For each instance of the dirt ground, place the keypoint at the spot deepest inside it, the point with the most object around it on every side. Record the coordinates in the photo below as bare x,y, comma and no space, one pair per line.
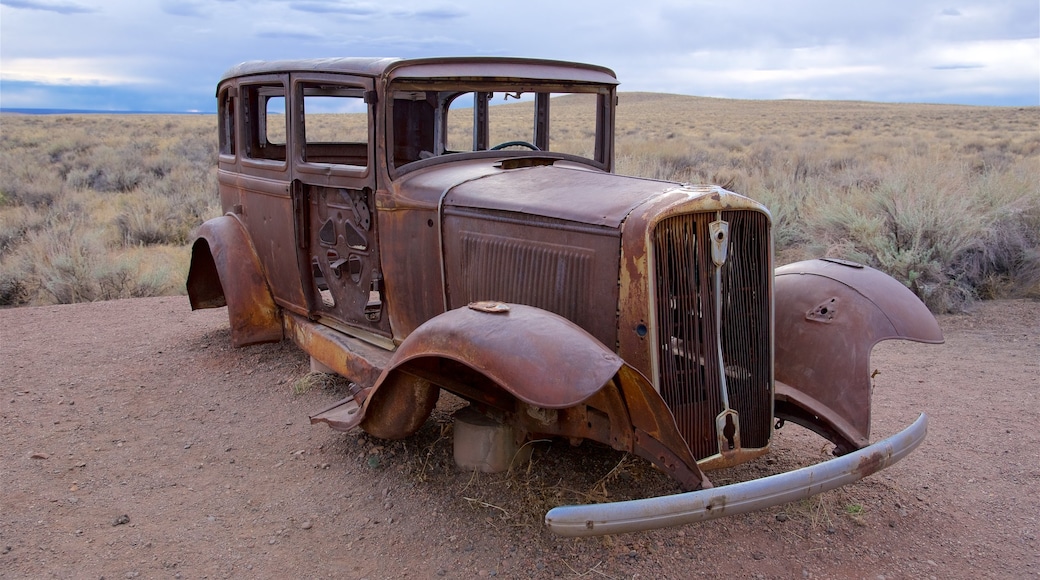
137,443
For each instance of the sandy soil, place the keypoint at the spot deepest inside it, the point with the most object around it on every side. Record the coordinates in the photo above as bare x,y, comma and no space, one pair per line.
137,443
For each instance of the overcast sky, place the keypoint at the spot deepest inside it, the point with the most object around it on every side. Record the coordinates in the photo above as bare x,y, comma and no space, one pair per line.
167,55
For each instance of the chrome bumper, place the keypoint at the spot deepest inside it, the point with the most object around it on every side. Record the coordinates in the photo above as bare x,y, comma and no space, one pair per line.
707,504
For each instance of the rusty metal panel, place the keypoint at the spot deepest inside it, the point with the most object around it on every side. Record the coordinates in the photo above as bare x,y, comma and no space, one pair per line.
358,361
365,66
505,346
410,226
559,267
443,67
225,270
829,314
578,195
500,68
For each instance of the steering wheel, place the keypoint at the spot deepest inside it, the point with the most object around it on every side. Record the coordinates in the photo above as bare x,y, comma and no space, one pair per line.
530,146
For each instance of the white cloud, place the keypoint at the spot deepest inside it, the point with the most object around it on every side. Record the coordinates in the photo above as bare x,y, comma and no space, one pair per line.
69,71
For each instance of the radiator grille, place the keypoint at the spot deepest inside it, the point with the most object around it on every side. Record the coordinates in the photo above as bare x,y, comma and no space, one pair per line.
688,344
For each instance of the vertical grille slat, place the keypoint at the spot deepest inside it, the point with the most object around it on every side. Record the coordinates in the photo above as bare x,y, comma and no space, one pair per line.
688,360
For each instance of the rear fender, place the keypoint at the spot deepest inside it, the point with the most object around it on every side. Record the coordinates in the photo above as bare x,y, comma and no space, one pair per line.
529,367
829,315
226,271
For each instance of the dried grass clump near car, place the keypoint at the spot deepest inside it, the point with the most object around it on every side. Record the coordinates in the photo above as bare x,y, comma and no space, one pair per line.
97,207
945,198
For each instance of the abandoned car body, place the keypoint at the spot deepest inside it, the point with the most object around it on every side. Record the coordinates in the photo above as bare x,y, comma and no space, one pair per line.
432,239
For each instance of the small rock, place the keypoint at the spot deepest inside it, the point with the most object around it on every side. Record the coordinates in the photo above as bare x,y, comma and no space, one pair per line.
306,525
758,555
40,455
123,519
781,517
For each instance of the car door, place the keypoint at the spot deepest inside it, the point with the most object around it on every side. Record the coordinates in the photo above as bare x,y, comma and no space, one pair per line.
334,202
263,184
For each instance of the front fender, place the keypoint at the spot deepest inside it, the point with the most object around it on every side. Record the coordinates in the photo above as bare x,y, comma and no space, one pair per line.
479,353
829,315
226,271
531,367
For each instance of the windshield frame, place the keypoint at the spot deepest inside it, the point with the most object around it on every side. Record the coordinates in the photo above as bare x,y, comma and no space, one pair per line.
431,99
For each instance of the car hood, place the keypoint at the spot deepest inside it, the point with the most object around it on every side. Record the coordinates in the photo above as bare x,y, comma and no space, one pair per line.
566,193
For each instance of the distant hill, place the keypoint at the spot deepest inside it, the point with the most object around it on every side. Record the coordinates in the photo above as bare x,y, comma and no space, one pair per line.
30,111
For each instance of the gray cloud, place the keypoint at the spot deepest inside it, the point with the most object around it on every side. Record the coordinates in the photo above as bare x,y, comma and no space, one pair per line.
183,8
439,14
334,7
50,6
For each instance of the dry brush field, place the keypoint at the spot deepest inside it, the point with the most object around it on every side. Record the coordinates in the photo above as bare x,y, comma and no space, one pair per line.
945,198
140,444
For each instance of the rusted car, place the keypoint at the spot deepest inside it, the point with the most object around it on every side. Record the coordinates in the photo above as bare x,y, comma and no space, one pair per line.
455,223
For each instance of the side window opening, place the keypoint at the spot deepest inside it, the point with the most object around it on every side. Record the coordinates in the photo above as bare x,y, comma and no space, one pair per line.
414,126
265,118
274,119
335,125
226,115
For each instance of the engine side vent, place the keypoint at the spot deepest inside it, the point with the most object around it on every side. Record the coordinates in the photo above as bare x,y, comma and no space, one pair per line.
549,276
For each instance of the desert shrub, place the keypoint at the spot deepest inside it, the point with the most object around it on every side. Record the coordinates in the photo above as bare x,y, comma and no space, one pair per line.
94,207
1005,261
944,198
71,262
26,184
167,213
947,233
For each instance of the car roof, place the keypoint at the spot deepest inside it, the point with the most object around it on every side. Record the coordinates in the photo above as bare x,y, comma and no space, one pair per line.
438,67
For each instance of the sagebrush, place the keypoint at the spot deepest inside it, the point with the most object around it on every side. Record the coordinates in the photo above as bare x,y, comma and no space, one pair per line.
945,198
